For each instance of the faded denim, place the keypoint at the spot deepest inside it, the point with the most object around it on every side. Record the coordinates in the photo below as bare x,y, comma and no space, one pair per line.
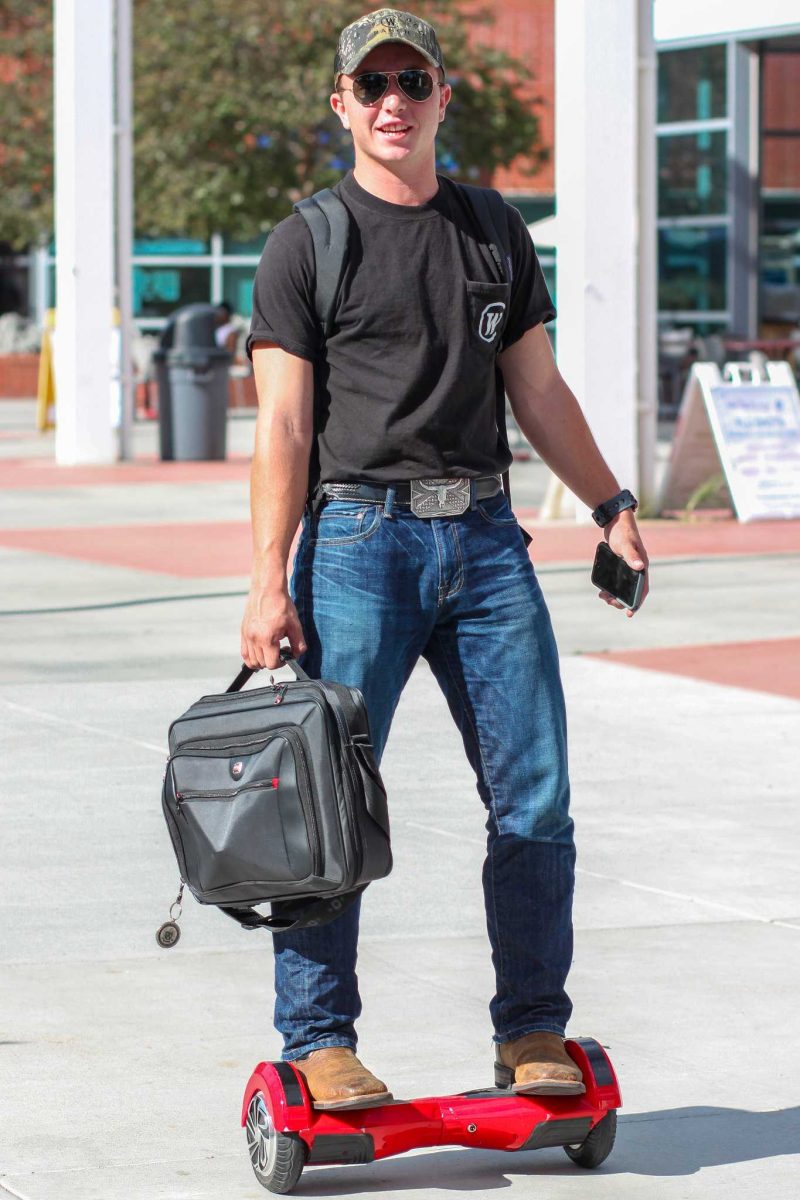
376,588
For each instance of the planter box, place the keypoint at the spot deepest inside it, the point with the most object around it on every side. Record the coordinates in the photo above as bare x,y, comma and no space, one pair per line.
19,376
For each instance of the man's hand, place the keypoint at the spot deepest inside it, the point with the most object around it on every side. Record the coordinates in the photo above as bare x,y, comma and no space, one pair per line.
623,538
268,617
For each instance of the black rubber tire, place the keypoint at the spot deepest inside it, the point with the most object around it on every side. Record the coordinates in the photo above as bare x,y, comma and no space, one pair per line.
598,1144
288,1159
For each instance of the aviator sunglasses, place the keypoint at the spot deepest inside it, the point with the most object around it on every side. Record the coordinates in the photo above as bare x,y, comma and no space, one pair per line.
372,85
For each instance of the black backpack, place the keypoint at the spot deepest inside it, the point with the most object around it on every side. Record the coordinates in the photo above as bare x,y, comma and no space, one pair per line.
329,222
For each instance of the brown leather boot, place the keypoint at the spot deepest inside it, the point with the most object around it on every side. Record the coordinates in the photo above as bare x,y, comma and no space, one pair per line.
336,1079
537,1064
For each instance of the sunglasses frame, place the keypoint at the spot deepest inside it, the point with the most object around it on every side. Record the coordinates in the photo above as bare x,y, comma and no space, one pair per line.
394,75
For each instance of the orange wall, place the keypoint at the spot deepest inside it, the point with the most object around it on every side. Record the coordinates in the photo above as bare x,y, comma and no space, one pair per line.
525,29
780,162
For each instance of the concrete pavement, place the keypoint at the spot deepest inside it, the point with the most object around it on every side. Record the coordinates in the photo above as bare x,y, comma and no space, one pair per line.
122,1066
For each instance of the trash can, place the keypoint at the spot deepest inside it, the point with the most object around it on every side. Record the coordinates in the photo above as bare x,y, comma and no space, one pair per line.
194,370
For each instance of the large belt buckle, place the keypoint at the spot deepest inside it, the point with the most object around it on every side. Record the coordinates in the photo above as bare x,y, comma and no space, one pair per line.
439,497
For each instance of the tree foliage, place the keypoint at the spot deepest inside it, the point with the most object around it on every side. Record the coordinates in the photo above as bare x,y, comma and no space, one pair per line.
26,130
232,120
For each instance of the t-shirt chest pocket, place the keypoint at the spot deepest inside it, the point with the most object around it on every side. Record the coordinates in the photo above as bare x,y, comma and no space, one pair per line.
487,313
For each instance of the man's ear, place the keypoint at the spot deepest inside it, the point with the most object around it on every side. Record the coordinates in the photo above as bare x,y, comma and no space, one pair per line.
337,104
444,99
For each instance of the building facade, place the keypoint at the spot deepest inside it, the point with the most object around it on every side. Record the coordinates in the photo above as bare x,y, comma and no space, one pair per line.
728,142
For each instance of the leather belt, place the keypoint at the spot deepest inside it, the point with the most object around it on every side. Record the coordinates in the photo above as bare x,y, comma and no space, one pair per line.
426,497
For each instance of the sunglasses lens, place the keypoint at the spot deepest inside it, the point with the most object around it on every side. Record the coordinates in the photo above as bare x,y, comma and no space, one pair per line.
417,85
369,87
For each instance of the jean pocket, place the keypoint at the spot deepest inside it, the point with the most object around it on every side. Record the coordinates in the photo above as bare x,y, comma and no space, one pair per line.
496,510
487,305
342,521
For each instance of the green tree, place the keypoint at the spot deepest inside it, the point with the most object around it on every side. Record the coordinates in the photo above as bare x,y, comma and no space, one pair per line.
232,121
26,131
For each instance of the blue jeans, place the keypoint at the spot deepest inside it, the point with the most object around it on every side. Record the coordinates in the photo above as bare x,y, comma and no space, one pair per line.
376,588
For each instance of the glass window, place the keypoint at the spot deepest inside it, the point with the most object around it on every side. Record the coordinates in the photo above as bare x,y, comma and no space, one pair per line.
692,84
171,245
237,288
692,268
251,246
692,175
157,291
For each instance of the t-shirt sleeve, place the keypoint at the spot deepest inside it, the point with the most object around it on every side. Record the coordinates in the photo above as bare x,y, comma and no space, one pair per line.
283,292
530,300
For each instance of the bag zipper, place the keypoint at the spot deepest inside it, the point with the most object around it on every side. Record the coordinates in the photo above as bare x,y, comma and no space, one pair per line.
333,702
229,793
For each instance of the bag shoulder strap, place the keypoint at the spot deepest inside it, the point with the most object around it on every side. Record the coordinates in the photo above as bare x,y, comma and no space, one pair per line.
329,222
288,915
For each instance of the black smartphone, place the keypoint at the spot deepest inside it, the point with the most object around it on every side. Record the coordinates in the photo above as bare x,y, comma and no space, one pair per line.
612,574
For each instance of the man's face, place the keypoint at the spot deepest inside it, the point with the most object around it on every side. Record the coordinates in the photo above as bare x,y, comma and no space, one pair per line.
395,129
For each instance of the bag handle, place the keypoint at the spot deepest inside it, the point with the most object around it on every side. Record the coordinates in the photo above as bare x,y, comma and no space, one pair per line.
288,915
287,659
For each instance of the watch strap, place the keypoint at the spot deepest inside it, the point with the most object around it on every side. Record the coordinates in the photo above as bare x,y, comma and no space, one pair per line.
606,511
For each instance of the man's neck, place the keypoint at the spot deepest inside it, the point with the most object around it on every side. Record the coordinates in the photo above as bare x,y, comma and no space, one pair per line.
411,188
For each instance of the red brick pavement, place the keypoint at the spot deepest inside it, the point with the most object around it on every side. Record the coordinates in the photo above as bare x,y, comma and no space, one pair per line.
763,666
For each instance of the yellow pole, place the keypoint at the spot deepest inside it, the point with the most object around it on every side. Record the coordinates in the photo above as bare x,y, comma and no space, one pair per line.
46,389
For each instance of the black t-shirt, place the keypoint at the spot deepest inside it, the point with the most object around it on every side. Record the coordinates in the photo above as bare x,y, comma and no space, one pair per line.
405,385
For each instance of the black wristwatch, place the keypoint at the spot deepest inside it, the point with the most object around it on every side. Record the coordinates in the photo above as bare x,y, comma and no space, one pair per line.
607,511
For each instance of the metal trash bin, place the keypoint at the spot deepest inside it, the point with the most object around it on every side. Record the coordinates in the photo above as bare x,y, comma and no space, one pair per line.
192,374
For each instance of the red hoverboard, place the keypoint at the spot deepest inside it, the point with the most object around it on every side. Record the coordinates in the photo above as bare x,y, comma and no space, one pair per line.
285,1133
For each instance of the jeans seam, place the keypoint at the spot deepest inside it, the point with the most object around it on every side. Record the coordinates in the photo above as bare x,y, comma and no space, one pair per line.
460,572
471,724
440,592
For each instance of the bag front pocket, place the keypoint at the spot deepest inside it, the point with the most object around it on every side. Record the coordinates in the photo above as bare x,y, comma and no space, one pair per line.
244,810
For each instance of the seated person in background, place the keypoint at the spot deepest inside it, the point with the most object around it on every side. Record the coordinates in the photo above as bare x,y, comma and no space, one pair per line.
227,332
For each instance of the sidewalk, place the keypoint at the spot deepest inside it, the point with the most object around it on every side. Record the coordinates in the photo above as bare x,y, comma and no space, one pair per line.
122,1066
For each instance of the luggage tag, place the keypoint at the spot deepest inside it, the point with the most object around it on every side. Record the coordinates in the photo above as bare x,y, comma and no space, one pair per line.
168,934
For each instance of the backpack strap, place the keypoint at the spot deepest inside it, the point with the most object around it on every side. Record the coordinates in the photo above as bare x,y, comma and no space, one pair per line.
491,214
329,222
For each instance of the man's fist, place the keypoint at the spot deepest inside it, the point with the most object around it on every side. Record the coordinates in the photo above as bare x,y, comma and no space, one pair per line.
268,617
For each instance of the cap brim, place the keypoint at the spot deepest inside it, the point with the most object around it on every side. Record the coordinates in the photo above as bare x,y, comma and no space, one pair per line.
356,59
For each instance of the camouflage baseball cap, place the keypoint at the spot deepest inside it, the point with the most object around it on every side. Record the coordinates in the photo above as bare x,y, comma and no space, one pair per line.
385,25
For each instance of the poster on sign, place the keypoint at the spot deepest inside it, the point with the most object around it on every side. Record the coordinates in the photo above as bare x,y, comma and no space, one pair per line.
747,425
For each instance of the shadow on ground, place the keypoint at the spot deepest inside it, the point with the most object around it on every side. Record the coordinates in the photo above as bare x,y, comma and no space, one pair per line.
673,1142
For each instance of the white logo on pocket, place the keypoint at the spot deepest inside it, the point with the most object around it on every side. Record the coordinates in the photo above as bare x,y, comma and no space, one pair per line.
490,319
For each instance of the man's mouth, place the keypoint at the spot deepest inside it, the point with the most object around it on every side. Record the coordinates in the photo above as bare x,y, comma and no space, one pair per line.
394,130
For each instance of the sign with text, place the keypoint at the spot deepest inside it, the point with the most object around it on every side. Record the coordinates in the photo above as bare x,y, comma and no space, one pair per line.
751,427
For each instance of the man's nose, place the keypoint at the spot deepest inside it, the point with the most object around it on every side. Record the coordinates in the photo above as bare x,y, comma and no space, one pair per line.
394,99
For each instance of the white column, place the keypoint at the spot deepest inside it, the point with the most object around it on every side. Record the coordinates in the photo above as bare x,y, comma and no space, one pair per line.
124,210
84,230
647,254
597,184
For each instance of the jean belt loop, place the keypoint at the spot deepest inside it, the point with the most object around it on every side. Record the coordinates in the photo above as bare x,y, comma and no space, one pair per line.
473,494
388,504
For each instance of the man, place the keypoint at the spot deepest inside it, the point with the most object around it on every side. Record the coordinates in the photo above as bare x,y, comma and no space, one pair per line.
226,333
388,421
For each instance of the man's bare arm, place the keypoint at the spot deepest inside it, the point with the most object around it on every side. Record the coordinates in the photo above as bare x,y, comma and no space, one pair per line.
553,422
278,488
